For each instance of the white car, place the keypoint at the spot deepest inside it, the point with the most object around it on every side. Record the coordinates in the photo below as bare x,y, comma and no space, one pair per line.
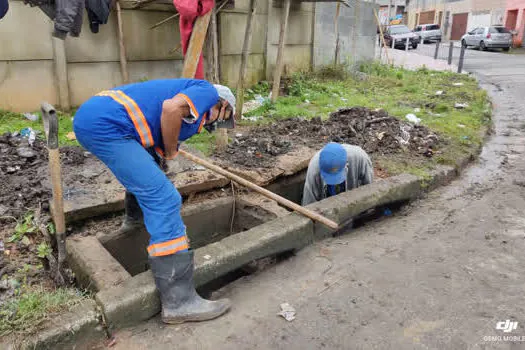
488,37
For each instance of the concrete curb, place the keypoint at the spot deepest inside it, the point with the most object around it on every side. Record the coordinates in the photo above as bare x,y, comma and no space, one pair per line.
136,299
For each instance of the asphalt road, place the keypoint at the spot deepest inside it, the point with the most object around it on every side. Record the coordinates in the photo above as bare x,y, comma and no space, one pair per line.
440,274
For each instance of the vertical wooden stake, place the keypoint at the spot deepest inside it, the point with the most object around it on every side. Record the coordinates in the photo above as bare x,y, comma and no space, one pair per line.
122,47
244,59
60,63
280,51
336,31
191,59
382,36
215,38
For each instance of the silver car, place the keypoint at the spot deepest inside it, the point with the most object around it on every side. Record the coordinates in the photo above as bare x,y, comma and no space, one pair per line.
488,37
428,32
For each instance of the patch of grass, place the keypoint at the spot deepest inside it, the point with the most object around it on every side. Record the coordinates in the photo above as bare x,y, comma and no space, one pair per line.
34,305
12,122
203,142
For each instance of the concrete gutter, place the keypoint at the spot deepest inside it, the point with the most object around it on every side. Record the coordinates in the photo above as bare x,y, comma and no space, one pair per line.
135,299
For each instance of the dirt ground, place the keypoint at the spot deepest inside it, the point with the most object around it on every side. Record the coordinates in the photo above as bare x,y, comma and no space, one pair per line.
374,130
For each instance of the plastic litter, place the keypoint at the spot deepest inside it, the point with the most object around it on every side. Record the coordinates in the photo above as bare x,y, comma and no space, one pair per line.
287,312
417,110
460,105
71,136
30,134
207,257
413,118
461,126
439,92
31,116
458,84
404,139
387,212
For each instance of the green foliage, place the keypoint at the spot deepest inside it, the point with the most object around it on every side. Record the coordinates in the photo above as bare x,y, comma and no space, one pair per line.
24,226
43,250
33,305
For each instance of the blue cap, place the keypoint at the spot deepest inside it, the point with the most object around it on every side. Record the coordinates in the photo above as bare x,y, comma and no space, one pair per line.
332,163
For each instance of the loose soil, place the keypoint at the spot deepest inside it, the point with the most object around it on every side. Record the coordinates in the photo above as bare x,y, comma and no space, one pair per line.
374,130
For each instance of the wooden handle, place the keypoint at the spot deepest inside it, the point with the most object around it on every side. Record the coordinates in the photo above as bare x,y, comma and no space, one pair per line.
295,207
56,182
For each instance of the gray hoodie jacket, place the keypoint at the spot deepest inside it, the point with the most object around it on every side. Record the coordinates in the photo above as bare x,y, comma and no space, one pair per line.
359,172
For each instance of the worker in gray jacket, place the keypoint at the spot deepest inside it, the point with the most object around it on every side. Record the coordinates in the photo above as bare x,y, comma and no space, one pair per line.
335,169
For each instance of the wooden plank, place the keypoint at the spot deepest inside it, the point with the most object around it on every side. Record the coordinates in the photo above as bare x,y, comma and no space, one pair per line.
280,51
244,59
193,54
122,47
215,39
336,31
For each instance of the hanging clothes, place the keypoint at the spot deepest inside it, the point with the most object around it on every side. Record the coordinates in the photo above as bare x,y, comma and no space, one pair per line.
68,14
4,6
98,13
189,11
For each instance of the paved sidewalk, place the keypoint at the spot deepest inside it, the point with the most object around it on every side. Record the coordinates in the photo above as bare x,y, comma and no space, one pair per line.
411,60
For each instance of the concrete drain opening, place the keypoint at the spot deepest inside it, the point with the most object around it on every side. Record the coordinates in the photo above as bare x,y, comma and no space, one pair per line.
206,222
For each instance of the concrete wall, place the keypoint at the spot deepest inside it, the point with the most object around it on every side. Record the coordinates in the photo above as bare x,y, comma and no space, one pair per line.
357,33
520,22
27,71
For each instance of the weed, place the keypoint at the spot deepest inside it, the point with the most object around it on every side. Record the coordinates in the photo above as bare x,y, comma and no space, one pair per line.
33,305
43,250
26,225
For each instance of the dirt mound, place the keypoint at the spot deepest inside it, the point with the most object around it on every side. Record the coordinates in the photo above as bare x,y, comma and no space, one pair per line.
374,130
23,168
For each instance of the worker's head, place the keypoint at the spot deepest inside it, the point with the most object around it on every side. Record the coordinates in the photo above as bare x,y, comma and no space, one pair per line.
223,112
332,164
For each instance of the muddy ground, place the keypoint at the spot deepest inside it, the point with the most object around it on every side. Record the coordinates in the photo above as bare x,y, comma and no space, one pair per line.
374,130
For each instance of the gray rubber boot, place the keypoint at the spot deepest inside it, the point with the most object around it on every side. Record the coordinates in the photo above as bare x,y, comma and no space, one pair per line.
133,218
179,299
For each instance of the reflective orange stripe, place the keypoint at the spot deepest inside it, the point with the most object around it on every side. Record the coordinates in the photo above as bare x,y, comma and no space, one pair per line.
135,114
202,123
169,247
190,103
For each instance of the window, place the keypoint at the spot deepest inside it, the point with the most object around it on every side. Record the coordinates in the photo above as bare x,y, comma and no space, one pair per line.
495,30
433,27
398,30
418,29
480,31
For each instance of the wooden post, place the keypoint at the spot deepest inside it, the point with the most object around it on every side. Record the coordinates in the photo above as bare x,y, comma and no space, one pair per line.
336,31
122,47
280,51
244,59
382,36
215,38
60,65
191,59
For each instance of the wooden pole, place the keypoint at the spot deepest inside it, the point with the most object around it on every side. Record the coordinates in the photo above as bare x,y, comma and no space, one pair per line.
60,65
122,47
295,207
215,39
244,59
191,59
336,31
382,36
280,51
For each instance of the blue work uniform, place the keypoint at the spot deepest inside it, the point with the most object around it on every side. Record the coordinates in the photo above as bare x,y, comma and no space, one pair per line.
119,126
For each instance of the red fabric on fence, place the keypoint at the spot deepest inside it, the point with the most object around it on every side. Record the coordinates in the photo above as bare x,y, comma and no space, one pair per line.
189,11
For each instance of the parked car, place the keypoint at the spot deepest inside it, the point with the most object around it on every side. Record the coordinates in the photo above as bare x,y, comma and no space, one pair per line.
429,32
488,37
398,34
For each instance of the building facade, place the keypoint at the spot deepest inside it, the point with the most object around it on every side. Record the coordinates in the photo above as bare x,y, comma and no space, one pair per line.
515,20
456,17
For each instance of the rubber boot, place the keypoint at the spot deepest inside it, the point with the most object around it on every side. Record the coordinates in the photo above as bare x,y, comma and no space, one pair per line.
133,218
179,299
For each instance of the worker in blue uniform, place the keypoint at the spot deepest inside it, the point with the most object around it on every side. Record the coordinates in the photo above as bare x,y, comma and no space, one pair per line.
130,128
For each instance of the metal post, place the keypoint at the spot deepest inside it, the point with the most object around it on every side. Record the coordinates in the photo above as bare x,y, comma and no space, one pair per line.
450,52
461,58
437,50
393,43
407,44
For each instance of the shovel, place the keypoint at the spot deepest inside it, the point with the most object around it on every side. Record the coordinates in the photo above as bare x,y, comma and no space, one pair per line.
50,120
